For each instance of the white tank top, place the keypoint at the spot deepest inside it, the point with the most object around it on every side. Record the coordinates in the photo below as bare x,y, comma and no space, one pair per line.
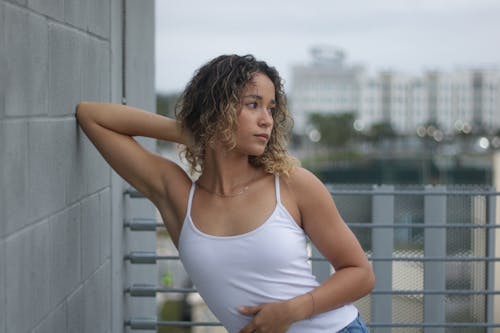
267,264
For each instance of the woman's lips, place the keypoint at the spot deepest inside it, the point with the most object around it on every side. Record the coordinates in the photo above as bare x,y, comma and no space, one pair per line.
263,136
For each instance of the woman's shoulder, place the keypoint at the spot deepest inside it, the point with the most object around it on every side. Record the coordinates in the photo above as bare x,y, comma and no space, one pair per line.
302,178
303,184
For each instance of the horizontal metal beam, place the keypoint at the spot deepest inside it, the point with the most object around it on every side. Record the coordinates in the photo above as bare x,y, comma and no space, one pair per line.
152,225
142,323
142,224
412,192
433,324
423,225
188,323
146,257
133,193
444,259
152,324
436,292
149,290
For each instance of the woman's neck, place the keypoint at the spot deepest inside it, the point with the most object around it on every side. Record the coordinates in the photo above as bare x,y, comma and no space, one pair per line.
226,173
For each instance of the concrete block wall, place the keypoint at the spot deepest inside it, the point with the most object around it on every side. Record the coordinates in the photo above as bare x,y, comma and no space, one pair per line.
140,92
61,238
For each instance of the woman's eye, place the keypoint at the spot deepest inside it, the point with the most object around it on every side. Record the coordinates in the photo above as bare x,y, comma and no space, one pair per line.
272,111
252,105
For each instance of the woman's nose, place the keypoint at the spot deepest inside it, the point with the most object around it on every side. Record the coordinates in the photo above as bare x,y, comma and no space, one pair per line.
266,119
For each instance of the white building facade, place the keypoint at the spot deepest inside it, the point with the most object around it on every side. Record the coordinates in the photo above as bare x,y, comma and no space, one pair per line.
463,98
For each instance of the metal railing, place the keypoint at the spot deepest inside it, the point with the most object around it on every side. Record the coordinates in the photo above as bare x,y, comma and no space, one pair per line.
432,250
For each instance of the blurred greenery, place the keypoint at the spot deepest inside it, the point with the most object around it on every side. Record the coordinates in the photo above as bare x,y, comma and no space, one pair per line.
172,311
336,129
380,131
167,279
165,104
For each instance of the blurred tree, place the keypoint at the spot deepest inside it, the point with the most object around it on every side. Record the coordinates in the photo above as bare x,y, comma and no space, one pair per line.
380,131
165,104
336,129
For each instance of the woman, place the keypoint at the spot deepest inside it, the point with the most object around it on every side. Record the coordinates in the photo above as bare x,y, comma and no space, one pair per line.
241,227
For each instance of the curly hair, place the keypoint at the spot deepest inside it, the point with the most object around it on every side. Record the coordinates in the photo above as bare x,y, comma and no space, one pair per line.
209,108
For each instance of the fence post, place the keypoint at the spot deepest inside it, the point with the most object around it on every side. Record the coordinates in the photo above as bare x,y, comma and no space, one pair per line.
434,246
383,247
321,269
495,233
491,202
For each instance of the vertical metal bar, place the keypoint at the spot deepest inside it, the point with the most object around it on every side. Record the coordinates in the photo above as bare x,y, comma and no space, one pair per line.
124,52
383,247
491,201
321,269
434,246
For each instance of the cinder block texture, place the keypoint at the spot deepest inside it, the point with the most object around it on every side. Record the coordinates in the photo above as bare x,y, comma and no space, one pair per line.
140,66
21,2
51,8
96,74
88,172
3,65
75,13
89,308
13,176
26,52
98,17
55,202
27,255
105,223
98,292
3,310
65,254
54,322
66,48
48,166
90,231
97,171
76,314
76,186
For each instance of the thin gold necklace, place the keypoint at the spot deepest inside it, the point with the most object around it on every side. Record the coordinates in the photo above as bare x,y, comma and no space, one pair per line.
230,195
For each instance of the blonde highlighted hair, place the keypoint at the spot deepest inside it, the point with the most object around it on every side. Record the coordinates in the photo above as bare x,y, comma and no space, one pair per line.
209,108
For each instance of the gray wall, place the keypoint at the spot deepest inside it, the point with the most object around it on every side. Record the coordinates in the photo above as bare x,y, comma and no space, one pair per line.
61,207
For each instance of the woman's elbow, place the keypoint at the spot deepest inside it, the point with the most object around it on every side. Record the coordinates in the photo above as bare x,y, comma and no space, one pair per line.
83,111
80,110
369,279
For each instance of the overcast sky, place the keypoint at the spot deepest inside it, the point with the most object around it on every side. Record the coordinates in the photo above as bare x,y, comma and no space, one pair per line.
403,35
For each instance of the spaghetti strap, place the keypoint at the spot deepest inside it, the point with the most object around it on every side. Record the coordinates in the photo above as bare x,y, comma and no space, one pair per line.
190,199
277,188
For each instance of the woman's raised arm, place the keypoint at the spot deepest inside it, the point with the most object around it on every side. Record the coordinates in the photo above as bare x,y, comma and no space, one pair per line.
131,121
111,128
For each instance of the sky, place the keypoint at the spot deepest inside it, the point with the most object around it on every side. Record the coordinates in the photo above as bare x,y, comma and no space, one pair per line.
408,36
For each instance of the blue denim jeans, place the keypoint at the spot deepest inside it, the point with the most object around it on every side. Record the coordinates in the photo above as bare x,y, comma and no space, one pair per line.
356,326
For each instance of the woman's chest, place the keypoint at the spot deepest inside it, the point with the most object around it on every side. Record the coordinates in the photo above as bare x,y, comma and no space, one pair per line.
232,216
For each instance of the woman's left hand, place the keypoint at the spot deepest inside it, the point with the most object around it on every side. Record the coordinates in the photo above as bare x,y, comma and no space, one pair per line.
267,318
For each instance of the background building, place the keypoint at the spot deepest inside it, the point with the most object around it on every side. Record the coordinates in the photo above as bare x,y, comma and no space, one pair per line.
449,100
327,85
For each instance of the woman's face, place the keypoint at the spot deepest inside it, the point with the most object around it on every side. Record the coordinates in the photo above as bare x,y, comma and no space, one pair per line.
255,119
